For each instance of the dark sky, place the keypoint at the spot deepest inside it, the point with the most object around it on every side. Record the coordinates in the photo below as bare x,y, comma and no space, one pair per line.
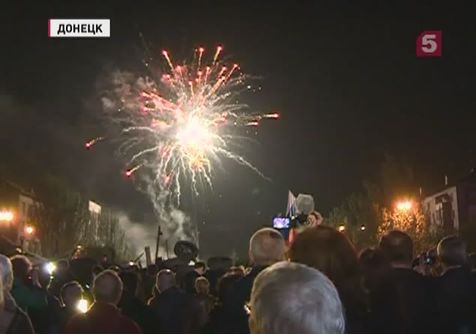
343,75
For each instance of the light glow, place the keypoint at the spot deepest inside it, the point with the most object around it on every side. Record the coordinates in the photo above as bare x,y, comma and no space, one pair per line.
6,216
50,268
405,205
29,230
82,306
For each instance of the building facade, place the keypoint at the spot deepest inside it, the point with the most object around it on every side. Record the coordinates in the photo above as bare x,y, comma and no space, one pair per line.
17,207
453,207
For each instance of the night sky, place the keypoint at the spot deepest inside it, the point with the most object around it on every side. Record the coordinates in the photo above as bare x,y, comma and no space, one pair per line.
343,75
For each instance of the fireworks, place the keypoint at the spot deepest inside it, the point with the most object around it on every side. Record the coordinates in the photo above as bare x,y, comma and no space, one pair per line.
92,142
180,125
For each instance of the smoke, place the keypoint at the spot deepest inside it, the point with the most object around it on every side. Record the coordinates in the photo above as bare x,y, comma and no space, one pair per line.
176,225
138,235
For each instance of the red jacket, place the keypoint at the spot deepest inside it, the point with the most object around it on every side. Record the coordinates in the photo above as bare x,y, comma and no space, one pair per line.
101,318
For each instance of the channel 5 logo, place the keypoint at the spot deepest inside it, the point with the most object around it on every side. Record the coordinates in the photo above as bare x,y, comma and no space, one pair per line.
429,44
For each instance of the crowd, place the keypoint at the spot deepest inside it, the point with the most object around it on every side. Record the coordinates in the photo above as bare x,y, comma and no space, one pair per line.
318,284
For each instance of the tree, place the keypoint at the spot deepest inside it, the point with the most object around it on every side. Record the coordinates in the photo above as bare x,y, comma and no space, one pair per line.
112,235
359,216
59,216
367,215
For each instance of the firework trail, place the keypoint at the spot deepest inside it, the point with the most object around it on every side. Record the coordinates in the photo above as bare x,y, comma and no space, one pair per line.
180,126
92,142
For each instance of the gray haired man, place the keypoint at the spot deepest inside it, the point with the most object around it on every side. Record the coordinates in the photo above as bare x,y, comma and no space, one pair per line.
289,298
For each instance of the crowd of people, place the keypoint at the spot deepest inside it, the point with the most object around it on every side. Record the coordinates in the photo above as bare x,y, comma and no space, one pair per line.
319,284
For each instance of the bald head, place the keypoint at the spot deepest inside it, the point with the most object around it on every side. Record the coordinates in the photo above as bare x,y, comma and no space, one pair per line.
165,280
107,287
267,246
452,251
397,246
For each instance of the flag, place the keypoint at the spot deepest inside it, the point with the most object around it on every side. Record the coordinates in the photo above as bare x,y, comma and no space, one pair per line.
291,211
291,206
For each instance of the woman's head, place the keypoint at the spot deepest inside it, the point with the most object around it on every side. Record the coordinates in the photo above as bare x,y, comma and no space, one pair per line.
327,250
202,286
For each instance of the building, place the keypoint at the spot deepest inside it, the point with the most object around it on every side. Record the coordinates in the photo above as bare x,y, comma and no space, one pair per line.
17,209
454,206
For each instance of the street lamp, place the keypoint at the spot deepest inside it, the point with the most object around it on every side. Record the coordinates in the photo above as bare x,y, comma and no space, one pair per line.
404,206
29,230
341,228
362,227
6,216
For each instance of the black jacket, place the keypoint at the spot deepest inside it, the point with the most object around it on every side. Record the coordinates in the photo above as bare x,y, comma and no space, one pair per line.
455,300
240,296
176,312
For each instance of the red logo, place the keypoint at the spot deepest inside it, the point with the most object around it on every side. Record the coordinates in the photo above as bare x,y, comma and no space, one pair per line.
429,44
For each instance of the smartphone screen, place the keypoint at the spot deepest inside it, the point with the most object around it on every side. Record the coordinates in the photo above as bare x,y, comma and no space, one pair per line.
281,223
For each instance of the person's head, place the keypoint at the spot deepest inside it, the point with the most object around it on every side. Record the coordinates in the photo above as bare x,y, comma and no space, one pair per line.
107,287
290,298
372,260
7,272
328,251
202,286
237,270
373,266
200,267
165,280
130,281
267,246
70,294
225,287
397,246
452,251
21,267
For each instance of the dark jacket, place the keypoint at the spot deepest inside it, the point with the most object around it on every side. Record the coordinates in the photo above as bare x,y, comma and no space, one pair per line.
414,299
244,285
222,320
28,296
189,282
101,318
176,312
135,309
240,296
455,299
13,320
65,314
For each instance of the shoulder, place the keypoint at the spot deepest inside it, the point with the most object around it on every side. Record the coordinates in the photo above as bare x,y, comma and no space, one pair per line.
75,322
246,282
128,326
20,323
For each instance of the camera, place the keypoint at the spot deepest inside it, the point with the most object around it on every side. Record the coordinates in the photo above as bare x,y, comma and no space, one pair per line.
429,259
299,220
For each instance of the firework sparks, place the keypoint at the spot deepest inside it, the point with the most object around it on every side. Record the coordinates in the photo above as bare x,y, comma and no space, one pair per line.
180,127
92,142
132,170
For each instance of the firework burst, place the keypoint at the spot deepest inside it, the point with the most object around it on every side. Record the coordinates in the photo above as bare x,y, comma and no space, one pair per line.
179,126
